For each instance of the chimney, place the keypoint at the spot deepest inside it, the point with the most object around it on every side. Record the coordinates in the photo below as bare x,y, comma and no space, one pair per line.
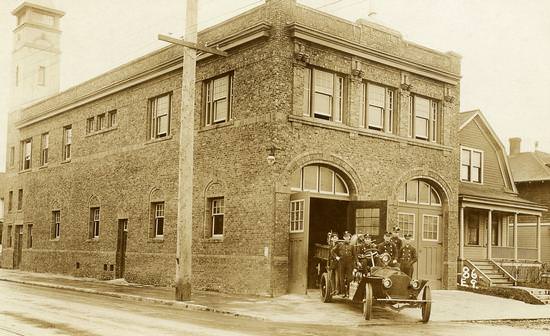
515,146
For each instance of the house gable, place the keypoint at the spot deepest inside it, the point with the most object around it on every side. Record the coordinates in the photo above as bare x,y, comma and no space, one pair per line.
476,133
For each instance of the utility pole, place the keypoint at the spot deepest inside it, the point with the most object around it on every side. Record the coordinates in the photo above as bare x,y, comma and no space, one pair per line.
186,139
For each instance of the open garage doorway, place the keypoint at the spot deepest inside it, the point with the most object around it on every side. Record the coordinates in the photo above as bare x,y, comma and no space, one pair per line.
325,215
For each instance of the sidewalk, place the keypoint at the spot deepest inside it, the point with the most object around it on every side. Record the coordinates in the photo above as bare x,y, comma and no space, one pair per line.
448,305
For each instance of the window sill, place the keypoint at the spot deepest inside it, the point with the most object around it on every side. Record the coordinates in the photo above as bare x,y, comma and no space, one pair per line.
93,240
25,171
44,166
156,240
65,161
471,182
156,140
55,239
105,130
216,126
338,126
211,240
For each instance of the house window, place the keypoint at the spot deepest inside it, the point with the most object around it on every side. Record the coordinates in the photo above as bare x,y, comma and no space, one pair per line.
367,221
159,111
111,118
94,223
67,142
217,217
90,122
44,144
17,75
471,161
12,156
41,75
10,200
20,199
324,91
26,150
378,111
297,216
406,222
219,98
158,219
424,121
100,124
29,236
430,228
9,236
56,225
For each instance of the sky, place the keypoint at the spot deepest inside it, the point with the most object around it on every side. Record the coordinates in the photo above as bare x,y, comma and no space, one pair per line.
504,46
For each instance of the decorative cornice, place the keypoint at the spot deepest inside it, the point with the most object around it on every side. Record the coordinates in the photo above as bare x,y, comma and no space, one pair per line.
299,31
257,31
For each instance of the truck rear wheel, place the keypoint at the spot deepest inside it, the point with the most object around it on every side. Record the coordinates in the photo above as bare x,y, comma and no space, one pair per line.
326,288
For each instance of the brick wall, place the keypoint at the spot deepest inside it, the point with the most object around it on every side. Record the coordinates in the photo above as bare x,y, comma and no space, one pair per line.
120,167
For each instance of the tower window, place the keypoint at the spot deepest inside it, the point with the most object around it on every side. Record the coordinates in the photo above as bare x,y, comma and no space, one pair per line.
17,75
41,75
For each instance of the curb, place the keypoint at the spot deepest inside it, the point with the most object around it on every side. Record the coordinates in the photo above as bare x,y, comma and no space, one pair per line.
130,297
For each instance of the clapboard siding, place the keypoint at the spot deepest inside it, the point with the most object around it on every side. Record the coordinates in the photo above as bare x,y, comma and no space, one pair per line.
474,137
538,192
527,237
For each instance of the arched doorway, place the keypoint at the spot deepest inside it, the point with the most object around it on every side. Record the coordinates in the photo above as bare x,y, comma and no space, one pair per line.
420,213
318,204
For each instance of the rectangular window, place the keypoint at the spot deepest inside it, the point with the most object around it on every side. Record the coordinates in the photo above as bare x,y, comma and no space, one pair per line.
111,119
100,123
12,156
90,123
44,145
56,225
29,236
20,199
326,93
219,97
17,75
430,228
425,120
367,221
471,162
218,209
159,111
10,236
406,222
94,223
297,216
26,154
41,75
10,200
158,219
67,142
380,108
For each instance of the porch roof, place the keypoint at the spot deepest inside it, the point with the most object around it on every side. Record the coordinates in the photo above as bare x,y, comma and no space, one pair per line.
475,196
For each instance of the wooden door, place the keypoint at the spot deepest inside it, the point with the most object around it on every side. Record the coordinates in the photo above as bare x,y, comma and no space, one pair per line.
430,235
121,248
298,243
18,250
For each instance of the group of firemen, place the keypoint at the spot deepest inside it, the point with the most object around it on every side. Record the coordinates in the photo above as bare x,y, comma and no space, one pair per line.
343,254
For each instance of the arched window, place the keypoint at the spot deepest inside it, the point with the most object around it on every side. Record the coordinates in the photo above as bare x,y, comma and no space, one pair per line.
319,179
418,191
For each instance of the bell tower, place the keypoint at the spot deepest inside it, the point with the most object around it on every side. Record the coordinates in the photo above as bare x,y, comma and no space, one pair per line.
36,52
